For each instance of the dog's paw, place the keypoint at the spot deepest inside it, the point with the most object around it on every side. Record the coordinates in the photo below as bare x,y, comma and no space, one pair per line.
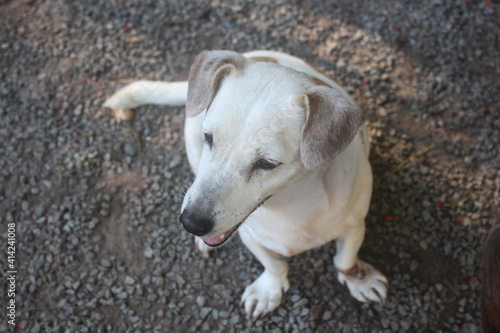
123,114
120,111
264,295
123,102
202,247
365,283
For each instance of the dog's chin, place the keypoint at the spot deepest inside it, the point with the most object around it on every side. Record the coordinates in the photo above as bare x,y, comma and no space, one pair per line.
221,239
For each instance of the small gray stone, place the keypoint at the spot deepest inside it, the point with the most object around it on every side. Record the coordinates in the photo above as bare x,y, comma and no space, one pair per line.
204,312
130,148
309,283
235,319
401,310
78,110
426,215
148,252
122,295
158,281
105,263
36,328
327,315
405,324
223,314
116,290
200,300
129,280
146,305
146,280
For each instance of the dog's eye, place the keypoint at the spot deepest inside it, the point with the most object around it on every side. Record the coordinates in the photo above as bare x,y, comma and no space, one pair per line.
264,164
209,139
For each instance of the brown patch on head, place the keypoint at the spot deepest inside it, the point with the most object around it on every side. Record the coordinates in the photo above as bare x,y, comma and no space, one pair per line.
264,59
315,68
320,82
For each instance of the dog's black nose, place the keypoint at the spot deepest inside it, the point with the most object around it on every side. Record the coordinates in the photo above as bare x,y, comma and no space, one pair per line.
196,224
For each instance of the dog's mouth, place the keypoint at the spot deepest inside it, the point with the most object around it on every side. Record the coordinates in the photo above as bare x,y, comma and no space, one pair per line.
221,239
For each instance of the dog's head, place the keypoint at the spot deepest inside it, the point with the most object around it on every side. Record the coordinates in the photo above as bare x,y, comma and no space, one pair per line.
265,126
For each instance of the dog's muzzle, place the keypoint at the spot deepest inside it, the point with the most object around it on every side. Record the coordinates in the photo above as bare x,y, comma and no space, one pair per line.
199,225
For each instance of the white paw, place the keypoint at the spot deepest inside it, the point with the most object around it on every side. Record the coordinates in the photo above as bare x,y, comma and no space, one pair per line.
366,284
124,101
202,247
264,295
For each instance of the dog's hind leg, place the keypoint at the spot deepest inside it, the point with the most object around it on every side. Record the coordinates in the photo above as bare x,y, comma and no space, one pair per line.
264,294
147,92
365,283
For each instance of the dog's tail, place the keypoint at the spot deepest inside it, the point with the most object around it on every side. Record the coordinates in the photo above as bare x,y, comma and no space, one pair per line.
148,92
491,286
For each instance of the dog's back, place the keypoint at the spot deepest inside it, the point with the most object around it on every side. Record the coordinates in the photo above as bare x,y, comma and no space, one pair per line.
491,286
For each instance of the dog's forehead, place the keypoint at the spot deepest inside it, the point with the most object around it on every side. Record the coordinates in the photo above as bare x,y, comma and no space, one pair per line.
262,98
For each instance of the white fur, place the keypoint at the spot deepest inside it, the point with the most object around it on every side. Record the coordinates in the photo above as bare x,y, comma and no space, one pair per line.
149,92
307,209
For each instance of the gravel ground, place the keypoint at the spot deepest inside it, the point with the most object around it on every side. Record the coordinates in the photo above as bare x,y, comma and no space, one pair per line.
95,202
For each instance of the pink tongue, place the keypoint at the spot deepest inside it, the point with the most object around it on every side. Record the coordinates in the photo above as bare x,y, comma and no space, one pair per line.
213,240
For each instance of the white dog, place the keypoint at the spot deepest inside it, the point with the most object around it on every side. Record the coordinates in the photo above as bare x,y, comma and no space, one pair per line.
280,155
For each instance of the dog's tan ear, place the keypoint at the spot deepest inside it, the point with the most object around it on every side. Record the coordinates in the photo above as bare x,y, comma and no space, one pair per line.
331,124
207,72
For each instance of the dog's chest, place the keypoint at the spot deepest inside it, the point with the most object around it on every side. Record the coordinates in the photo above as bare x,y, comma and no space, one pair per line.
306,215
292,231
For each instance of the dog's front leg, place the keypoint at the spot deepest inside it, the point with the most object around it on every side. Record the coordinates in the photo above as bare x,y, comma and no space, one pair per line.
365,283
264,294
